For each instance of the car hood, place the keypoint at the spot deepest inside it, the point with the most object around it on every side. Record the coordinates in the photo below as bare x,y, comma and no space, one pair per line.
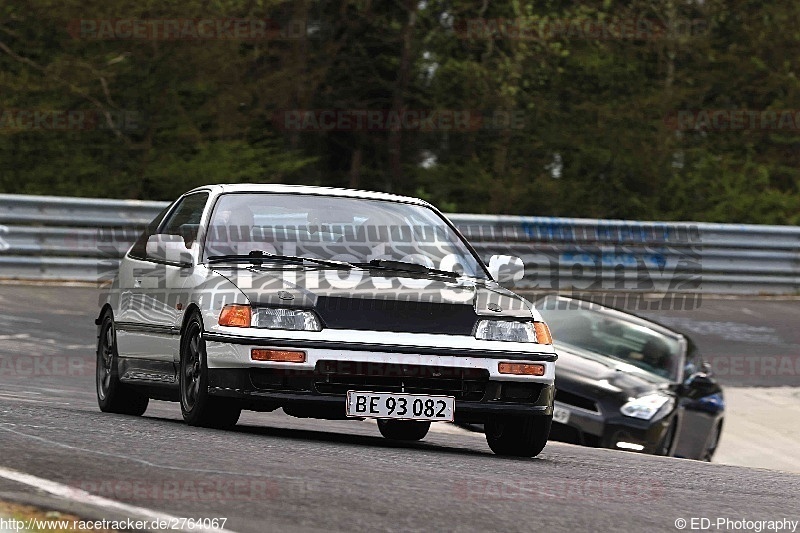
599,375
380,299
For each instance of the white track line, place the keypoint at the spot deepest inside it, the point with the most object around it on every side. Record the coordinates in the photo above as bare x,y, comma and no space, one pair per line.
80,496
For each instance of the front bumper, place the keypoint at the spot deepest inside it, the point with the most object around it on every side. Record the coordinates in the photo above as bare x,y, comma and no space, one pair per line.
606,430
317,388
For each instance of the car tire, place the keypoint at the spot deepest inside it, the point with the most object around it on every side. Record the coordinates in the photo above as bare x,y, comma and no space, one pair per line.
518,436
198,407
713,442
407,430
664,447
114,396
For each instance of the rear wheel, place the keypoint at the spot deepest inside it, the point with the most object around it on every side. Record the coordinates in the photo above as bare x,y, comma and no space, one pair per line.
198,407
518,436
112,395
403,429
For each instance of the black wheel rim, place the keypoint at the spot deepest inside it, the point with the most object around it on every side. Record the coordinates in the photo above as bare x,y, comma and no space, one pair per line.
191,368
105,359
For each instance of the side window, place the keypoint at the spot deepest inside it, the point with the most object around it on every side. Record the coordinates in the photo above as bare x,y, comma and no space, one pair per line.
139,249
185,218
693,359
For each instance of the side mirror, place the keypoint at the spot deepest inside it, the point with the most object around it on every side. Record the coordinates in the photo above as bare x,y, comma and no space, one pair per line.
701,384
506,268
169,248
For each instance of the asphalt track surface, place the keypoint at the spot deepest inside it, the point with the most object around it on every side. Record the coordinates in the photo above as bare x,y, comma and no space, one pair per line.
277,473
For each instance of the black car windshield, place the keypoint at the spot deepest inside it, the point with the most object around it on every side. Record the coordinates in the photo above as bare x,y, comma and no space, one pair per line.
613,336
351,230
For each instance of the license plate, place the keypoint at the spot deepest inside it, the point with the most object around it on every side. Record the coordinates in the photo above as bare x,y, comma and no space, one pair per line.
400,406
560,415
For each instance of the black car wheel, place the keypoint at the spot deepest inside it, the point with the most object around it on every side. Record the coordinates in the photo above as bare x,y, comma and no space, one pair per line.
665,444
198,407
403,429
713,442
112,395
518,436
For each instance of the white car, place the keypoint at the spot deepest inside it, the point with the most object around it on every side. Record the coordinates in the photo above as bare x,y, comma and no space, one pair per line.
328,303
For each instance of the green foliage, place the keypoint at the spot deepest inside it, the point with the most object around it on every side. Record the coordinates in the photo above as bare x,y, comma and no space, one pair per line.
592,137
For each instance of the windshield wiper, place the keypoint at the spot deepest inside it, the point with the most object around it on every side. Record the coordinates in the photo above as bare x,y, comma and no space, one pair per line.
403,266
257,257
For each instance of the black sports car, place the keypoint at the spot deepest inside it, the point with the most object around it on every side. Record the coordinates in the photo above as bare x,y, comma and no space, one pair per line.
627,383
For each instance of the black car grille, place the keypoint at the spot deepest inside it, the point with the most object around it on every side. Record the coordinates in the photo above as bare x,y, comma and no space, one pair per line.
396,315
572,435
338,377
576,400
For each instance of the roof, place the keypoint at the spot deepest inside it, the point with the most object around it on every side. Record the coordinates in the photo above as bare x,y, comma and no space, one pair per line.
277,188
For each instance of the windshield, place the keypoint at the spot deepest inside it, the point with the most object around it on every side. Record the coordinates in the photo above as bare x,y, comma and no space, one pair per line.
354,230
609,335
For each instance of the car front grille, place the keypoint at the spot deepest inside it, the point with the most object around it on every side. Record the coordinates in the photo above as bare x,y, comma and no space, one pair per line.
338,377
396,315
576,400
572,435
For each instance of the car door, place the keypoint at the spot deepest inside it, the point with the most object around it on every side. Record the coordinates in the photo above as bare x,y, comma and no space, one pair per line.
152,328
130,312
700,406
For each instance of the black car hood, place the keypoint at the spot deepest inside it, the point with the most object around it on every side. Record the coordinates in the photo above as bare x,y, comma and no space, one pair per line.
379,299
601,375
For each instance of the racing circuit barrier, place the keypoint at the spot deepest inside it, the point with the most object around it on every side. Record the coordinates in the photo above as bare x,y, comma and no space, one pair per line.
67,239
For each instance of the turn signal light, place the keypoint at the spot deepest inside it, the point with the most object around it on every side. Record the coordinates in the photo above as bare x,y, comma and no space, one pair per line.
521,369
235,316
543,335
280,356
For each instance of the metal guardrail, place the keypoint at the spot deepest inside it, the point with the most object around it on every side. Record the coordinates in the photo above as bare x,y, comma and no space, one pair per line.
55,238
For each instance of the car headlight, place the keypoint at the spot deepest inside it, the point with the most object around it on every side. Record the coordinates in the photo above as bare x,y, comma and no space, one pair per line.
513,331
645,407
279,318
244,316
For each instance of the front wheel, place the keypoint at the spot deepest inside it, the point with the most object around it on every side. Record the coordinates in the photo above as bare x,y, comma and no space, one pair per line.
403,429
664,446
112,395
713,442
518,436
198,407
